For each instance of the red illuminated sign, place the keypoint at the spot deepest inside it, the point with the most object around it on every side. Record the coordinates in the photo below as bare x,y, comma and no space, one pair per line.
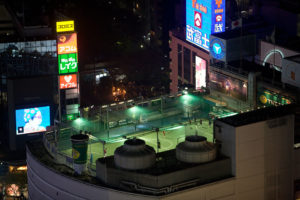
198,19
67,43
68,81
218,18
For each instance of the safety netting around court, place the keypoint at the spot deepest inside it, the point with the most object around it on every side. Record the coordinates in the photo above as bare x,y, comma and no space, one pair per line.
162,123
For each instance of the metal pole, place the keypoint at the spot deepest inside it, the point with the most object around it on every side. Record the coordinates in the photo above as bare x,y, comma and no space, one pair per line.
107,123
78,88
157,130
100,118
161,104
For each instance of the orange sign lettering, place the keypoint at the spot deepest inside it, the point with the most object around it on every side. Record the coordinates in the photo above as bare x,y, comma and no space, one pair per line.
67,43
68,81
219,2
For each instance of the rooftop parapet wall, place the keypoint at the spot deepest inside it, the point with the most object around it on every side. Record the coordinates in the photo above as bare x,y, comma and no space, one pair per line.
165,176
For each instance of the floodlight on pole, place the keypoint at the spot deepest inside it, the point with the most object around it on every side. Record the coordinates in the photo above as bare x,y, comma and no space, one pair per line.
135,110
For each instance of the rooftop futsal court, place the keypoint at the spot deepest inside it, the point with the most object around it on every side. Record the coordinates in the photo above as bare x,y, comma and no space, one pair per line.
161,123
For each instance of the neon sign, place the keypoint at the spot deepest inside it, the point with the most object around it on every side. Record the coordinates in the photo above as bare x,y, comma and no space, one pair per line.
68,81
67,63
269,98
217,48
65,26
202,19
67,43
200,75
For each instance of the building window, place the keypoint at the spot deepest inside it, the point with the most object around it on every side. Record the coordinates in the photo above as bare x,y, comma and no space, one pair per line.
179,56
187,64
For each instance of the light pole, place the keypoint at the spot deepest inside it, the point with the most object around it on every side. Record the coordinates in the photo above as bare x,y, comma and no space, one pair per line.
158,143
161,104
107,123
134,113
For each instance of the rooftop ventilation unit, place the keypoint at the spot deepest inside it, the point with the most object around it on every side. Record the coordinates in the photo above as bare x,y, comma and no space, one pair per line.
134,155
196,149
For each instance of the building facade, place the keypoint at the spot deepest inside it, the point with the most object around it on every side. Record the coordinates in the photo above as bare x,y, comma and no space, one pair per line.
183,62
259,144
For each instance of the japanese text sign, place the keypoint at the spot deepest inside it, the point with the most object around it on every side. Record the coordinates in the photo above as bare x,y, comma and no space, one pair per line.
65,26
67,63
67,81
204,17
67,43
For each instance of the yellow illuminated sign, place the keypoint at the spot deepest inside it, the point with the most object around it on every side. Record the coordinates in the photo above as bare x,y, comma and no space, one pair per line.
65,26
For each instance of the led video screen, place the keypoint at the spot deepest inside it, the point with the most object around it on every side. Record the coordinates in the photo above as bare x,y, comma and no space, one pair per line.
228,85
32,120
200,74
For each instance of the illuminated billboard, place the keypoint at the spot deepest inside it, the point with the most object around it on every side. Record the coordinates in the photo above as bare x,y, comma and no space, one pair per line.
68,81
32,120
204,17
200,73
217,49
228,85
270,98
65,26
67,63
67,43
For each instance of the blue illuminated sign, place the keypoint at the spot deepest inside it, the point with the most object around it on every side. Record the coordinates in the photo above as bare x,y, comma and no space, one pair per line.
204,17
32,120
217,48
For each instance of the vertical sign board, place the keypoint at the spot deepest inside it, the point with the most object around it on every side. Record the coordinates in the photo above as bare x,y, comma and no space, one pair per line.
67,63
200,75
204,17
67,43
218,16
67,81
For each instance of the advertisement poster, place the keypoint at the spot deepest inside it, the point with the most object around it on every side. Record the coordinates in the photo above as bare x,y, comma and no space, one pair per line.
269,98
200,75
32,120
228,85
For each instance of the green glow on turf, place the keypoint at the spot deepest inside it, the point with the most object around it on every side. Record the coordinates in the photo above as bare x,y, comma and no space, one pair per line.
78,121
174,128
